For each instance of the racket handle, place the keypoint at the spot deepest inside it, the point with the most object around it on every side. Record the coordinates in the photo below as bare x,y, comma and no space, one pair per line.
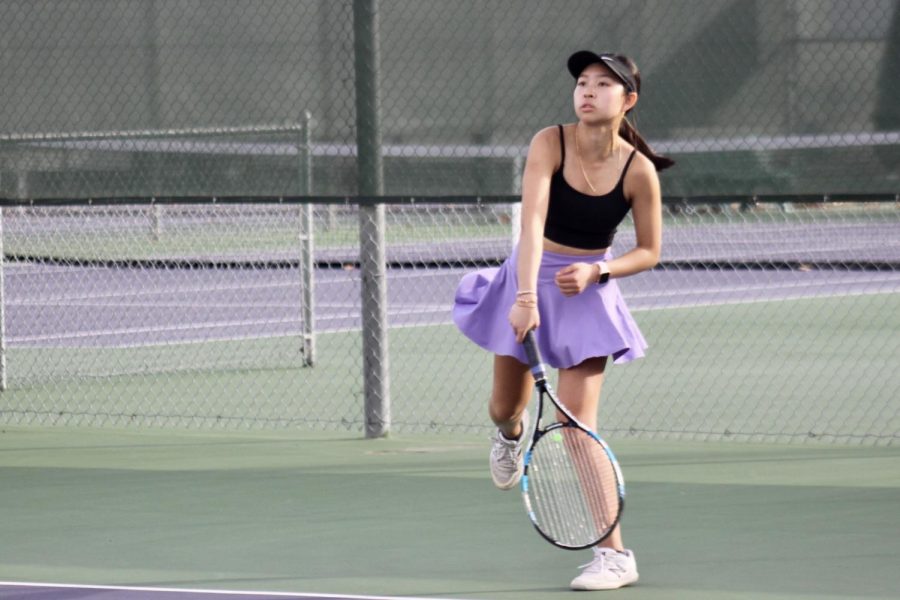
534,357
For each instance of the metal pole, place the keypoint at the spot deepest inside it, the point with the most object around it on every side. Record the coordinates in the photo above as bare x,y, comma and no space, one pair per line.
155,220
2,307
515,212
308,342
377,406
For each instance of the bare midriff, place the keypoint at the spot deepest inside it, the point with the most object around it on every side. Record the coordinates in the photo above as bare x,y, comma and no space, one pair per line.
551,246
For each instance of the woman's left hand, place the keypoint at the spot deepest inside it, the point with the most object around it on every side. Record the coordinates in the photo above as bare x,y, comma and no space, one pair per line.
575,278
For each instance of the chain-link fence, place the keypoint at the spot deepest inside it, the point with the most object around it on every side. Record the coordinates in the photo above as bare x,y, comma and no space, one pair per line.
762,97
190,235
770,322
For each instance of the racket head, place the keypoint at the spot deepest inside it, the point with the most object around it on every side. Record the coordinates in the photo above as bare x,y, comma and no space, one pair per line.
572,486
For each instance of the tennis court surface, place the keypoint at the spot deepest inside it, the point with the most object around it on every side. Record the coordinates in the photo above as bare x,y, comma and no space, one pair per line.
31,591
416,516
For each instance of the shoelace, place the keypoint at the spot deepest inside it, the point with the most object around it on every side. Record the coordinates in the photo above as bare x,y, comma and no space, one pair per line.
612,560
504,451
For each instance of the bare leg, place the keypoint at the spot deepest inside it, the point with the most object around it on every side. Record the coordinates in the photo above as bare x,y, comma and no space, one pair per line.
579,389
512,390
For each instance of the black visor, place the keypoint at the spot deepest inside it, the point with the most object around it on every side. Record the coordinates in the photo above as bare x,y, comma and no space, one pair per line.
579,61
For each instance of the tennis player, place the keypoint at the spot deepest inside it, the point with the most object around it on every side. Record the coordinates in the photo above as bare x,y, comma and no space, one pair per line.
581,179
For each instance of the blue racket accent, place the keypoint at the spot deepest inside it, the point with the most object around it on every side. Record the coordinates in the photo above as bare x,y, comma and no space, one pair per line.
613,460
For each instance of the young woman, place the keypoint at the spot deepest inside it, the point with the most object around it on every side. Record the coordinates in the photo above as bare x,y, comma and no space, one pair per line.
580,182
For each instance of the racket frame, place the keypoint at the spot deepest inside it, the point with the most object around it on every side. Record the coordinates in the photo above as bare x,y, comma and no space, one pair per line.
546,390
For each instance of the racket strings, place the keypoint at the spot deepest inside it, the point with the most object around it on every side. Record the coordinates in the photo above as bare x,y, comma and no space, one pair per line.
573,486
560,510
596,476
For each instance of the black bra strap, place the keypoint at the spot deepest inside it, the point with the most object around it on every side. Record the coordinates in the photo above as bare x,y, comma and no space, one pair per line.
562,145
627,164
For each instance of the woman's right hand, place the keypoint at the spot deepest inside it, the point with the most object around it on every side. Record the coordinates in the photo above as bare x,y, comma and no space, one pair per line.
523,319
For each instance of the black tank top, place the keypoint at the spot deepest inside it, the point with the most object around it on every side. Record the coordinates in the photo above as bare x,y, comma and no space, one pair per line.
581,220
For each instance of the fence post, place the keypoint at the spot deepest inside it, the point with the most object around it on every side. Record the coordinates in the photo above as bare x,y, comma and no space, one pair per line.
515,210
155,220
307,310
2,308
377,406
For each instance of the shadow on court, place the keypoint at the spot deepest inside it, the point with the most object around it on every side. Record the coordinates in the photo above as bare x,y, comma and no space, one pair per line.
417,516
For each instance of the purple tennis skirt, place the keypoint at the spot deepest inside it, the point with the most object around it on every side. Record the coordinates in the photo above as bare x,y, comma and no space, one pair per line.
593,323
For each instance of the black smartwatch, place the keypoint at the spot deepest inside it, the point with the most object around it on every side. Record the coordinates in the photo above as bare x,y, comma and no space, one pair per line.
604,273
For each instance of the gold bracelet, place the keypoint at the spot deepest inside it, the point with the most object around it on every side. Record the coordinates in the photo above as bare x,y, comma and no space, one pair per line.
525,292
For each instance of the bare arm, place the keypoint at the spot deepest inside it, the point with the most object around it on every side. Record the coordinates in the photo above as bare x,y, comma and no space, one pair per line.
535,197
642,188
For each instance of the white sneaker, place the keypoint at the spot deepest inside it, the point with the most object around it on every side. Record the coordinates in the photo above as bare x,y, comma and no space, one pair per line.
506,457
609,570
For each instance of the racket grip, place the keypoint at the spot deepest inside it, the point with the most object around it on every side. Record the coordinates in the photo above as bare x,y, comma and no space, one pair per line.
534,357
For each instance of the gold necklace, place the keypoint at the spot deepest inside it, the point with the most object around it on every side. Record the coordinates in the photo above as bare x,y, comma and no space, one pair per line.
581,164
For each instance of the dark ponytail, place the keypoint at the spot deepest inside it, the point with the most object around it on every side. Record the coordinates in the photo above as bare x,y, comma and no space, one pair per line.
628,131
631,135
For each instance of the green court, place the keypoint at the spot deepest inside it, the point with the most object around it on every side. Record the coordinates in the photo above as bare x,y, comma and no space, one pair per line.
231,239
417,515
778,371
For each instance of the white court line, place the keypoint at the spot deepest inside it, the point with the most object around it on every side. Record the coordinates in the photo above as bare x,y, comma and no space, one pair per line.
63,300
425,310
18,271
413,309
187,342
420,273
239,303
138,293
160,329
204,591
442,323
165,292
766,299
97,333
822,283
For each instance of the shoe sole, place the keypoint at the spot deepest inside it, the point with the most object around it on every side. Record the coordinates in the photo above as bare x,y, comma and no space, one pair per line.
586,588
510,484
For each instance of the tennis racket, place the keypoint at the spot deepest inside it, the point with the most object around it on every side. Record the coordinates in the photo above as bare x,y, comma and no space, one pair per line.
572,486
